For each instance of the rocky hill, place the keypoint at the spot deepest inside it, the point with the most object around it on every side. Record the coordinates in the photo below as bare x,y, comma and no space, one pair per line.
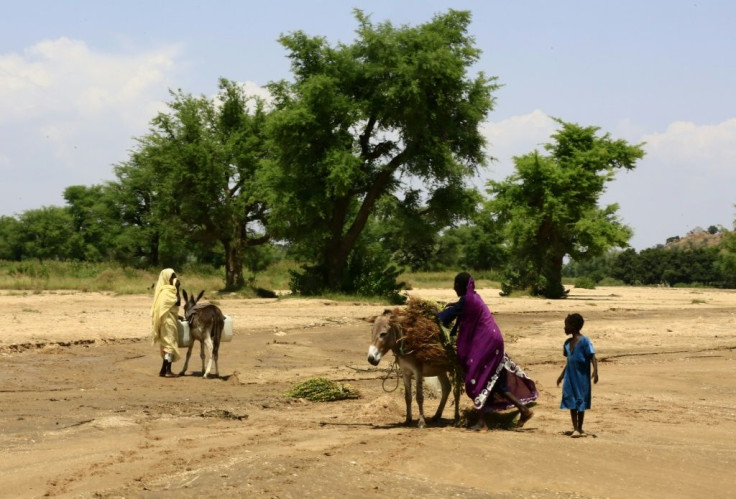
697,238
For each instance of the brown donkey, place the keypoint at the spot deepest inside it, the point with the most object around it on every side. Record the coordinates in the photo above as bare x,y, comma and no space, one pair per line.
387,335
206,323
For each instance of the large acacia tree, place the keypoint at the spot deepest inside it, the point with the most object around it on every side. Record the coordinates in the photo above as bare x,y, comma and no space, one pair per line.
549,206
365,120
196,174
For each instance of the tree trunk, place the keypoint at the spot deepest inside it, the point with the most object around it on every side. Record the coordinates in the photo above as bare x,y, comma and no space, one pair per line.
341,245
233,266
153,254
336,253
335,262
552,274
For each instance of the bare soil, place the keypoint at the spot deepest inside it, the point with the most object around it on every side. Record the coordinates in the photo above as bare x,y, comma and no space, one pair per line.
83,412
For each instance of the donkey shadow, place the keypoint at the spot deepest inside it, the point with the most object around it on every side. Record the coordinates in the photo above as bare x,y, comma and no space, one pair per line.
194,374
440,423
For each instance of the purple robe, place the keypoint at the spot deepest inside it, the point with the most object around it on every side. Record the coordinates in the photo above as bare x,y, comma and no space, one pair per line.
481,352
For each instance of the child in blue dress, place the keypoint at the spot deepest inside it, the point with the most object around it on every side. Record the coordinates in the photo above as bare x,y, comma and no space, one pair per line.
576,389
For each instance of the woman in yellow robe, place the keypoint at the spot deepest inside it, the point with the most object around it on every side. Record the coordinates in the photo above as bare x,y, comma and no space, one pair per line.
164,314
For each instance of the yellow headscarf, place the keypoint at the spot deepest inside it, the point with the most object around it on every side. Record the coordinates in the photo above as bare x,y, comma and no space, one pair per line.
164,297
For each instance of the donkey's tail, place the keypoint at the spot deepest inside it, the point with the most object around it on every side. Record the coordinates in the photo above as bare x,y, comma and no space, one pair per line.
217,326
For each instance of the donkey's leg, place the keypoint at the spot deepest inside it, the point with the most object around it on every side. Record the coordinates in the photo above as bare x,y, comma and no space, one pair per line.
186,362
420,398
445,384
208,346
216,349
201,353
407,395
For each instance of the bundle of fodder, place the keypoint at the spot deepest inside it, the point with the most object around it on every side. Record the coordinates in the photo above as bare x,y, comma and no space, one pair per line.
323,390
421,332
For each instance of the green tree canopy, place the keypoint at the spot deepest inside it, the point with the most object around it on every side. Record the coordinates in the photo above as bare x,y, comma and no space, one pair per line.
196,176
10,244
136,195
549,206
95,219
364,121
48,233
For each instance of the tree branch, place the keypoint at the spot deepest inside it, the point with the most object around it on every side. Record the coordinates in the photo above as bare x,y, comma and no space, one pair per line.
371,197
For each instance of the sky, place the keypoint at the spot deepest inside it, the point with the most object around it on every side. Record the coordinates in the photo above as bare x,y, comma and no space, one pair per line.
81,80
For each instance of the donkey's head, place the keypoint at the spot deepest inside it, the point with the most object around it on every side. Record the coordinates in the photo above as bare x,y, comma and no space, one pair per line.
190,300
384,335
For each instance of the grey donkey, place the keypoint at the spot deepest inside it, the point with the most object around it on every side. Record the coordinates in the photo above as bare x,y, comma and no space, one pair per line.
206,323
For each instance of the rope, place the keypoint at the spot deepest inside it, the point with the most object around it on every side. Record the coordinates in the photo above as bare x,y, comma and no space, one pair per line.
394,368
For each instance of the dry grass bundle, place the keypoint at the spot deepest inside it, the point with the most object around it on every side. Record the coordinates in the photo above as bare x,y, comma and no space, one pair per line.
421,332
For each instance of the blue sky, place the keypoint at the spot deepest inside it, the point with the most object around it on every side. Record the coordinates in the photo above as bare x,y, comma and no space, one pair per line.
79,80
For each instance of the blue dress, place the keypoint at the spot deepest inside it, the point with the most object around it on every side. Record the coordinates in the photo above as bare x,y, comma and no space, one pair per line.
576,391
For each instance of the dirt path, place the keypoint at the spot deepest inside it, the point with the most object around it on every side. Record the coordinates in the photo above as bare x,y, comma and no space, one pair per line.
83,413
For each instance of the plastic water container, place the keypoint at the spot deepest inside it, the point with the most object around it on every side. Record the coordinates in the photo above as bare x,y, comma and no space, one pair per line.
183,337
227,331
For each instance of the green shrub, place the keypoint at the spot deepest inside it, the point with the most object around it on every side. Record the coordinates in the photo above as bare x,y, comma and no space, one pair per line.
585,283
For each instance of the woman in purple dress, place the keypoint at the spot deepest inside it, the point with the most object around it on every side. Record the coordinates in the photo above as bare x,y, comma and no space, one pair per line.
492,380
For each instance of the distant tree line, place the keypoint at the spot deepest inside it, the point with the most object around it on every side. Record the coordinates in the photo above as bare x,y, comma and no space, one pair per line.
358,167
713,266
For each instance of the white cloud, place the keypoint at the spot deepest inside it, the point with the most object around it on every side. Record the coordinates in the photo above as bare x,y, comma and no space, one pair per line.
695,147
66,76
518,135
685,180
511,137
256,90
70,112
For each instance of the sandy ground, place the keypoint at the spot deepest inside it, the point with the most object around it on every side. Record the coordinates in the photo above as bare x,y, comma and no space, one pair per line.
83,412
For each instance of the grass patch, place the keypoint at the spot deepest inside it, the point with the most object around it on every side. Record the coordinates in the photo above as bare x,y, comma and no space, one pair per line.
34,277
610,281
37,277
323,390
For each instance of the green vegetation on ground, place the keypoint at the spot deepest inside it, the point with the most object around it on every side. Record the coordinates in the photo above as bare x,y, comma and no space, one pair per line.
323,390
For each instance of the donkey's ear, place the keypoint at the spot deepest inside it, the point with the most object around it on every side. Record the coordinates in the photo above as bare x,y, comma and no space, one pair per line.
184,294
388,312
199,296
